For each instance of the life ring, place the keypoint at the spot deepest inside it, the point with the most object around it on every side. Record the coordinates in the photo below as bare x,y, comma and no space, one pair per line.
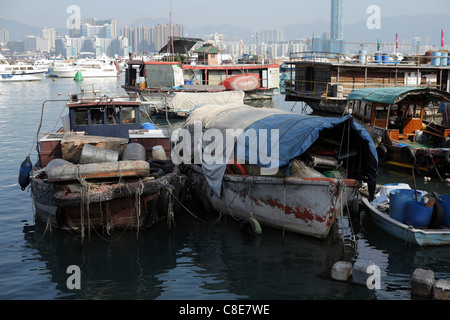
196,83
236,168
382,152
407,154
423,162
251,226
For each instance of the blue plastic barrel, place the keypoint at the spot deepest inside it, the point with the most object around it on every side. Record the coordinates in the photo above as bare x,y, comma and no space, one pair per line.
444,59
385,57
417,214
188,81
436,61
397,201
377,57
148,126
444,200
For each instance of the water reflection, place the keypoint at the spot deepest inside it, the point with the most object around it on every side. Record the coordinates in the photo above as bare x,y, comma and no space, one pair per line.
196,260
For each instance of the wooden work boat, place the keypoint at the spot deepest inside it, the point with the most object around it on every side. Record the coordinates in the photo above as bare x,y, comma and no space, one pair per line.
102,178
106,203
301,195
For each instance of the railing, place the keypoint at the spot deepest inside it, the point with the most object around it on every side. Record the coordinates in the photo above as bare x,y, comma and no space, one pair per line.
370,59
329,90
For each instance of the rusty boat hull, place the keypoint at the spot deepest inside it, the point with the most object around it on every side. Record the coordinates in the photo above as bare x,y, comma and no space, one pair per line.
307,206
127,203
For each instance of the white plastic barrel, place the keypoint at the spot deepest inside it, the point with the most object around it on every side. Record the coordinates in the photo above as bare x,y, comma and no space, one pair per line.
159,153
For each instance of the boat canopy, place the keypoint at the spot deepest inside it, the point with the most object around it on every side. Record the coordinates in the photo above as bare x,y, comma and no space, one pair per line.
394,95
181,45
265,131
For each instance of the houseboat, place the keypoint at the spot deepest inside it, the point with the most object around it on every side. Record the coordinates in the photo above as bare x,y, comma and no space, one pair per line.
209,73
324,80
101,172
395,119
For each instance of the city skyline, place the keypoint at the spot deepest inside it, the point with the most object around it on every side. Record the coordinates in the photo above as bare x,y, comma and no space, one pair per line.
152,35
252,14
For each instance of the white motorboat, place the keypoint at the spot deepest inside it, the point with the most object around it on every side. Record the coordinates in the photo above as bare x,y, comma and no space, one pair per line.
20,72
43,64
89,68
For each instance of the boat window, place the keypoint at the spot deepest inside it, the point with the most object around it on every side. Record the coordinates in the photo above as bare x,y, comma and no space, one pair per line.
414,111
128,115
113,115
357,106
81,117
97,116
382,112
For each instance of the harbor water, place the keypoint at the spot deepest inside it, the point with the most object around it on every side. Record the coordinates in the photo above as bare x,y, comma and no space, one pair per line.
202,257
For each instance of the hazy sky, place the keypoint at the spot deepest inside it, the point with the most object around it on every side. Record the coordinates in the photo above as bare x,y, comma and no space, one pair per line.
251,14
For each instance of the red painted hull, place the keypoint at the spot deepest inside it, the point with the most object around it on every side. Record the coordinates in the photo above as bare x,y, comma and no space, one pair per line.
244,82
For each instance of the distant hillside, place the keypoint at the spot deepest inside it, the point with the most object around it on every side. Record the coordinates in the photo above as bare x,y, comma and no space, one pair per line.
426,26
229,31
148,22
18,30
305,30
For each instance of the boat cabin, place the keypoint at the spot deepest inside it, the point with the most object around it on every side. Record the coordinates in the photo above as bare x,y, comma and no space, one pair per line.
324,80
398,112
104,117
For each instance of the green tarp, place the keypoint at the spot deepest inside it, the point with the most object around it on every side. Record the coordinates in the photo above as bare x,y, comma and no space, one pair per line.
396,94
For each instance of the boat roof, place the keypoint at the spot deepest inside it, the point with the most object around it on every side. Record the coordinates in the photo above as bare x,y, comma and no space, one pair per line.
80,101
393,95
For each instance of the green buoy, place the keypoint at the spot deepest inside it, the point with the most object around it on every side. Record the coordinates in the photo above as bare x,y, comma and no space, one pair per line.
78,76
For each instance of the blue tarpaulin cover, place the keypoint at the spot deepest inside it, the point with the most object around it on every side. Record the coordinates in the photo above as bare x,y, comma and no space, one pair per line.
296,134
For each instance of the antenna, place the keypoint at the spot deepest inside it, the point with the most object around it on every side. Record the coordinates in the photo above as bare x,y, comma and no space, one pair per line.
171,32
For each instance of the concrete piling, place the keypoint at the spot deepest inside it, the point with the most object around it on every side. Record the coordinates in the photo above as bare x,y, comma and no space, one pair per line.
422,283
442,290
341,271
365,272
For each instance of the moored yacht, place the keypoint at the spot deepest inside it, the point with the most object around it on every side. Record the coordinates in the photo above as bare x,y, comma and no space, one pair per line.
89,68
11,72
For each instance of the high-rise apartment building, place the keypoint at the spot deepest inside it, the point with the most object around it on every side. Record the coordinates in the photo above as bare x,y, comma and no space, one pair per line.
50,35
271,36
150,39
4,35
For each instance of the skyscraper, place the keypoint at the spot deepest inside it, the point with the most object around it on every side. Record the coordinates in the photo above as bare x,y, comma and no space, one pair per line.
337,19
337,25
